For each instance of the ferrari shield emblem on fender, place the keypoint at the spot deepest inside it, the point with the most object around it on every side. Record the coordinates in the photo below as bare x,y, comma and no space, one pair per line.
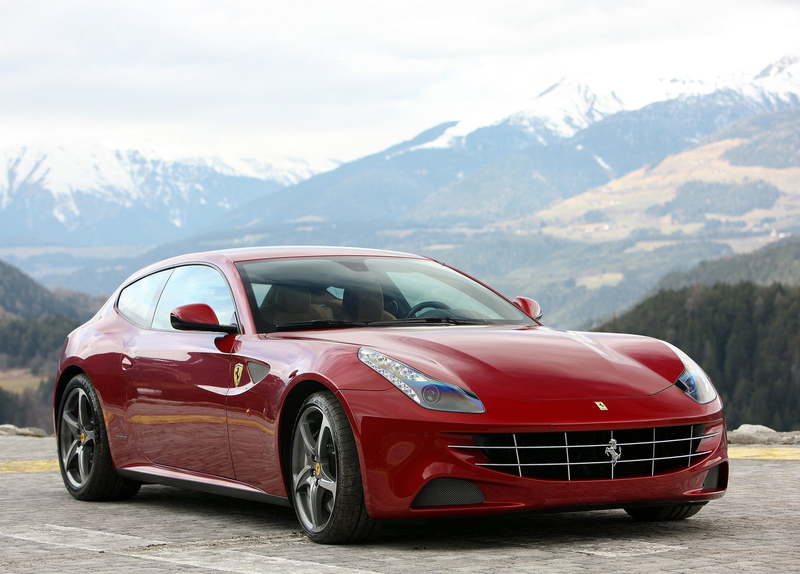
601,406
237,374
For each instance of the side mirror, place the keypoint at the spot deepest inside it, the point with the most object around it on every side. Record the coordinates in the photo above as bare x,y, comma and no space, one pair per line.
528,306
198,317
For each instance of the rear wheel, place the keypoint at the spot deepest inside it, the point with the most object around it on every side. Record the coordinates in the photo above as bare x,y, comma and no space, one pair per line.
658,513
83,452
327,490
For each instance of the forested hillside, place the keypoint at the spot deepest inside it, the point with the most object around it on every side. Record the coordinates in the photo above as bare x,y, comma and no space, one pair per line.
34,322
775,263
21,296
32,408
746,337
33,343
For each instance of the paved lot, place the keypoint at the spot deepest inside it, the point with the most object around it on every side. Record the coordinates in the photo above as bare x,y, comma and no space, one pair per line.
755,528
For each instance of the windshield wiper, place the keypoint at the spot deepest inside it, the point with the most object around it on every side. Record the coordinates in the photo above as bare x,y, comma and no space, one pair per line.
318,324
429,321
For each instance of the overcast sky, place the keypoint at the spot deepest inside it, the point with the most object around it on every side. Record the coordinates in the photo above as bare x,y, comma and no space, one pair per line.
340,79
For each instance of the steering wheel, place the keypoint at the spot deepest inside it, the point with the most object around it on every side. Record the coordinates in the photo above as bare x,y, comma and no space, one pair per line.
425,305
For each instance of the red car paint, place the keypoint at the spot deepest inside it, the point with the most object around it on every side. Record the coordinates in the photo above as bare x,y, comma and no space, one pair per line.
176,413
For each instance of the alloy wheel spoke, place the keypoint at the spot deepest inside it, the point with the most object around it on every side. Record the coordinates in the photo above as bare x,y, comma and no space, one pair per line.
307,436
323,440
327,484
71,422
315,505
302,479
70,454
84,412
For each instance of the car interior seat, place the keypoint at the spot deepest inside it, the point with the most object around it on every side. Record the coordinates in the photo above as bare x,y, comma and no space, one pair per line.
291,304
364,302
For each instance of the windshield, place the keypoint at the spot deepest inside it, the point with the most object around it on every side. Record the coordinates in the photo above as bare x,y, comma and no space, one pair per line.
339,292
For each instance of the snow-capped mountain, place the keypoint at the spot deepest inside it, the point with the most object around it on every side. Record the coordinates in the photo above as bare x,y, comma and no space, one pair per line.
778,83
566,108
104,196
567,140
569,106
560,111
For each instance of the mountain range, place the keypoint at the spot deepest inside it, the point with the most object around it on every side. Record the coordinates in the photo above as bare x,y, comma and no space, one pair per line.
581,200
97,196
569,140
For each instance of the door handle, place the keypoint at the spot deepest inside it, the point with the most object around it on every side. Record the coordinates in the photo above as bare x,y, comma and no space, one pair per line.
126,363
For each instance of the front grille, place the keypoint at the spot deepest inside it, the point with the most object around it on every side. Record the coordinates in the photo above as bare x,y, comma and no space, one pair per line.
589,455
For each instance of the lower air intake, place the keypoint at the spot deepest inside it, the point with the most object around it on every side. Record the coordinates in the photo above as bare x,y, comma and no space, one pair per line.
448,492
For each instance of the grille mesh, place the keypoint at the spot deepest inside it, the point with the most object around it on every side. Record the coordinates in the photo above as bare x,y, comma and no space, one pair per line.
589,455
448,492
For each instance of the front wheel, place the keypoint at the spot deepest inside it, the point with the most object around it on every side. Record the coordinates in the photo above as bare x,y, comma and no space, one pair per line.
83,453
327,490
659,513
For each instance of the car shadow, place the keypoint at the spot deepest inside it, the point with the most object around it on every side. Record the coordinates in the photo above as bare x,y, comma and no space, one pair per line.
600,527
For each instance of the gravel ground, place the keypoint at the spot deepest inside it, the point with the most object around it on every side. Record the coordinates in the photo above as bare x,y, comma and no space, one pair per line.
43,530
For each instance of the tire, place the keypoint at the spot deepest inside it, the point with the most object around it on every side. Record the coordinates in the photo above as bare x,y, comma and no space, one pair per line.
659,513
83,452
326,485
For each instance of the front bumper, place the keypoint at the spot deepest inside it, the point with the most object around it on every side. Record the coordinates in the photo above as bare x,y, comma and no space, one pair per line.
403,448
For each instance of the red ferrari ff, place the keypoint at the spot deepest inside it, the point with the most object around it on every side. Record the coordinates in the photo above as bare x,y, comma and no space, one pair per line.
358,385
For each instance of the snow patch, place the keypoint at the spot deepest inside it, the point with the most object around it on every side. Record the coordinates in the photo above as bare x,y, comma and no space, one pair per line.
452,137
285,171
566,108
601,163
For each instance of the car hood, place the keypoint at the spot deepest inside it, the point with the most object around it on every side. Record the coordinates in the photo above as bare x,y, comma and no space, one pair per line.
534,363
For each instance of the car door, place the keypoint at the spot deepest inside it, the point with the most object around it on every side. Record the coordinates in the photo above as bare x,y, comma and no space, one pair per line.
177,381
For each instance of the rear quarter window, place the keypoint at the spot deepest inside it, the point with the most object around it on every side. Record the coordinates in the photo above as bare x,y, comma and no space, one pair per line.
137,302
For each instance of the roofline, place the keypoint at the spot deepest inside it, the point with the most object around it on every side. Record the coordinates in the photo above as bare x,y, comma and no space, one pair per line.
283,251
224,257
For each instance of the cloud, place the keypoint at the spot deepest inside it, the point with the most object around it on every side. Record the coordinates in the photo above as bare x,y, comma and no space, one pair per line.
341,77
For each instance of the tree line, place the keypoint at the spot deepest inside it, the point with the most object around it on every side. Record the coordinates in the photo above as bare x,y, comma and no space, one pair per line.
32,343
745,336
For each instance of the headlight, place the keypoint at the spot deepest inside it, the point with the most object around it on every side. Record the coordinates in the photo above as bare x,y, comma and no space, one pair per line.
424,391
693,381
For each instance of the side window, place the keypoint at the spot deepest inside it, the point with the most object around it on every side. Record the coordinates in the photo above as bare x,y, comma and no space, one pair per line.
137,301
195,284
